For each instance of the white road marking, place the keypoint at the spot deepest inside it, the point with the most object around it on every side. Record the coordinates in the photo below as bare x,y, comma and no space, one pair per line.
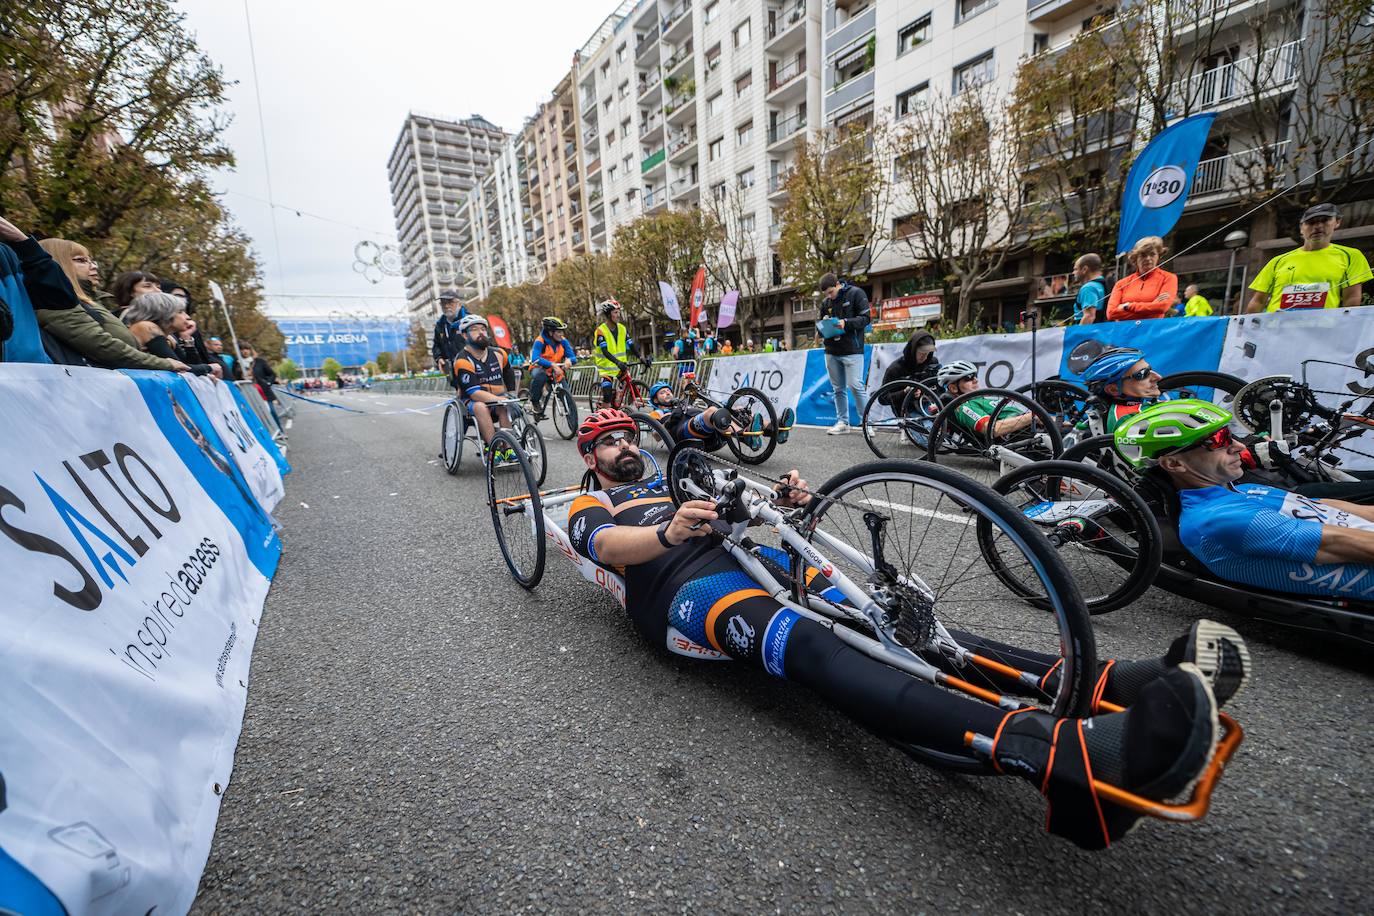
928,513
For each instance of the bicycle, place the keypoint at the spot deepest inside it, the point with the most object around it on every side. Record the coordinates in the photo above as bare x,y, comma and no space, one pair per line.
889,591
559,402
626,394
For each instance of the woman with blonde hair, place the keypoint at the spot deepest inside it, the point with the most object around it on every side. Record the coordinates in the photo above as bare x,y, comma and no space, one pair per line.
85,326
1151,291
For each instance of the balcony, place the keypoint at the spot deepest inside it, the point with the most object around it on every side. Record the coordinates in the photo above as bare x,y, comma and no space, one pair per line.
777,182
785,129
577,238
787,73
1247,76
651,127
653,200
599,230
849,94
646,49
680,141
594,166
681,102
1245,170
649,90
682,55
573,180
652,161
676,18
775,230
855,30
684,184
784,25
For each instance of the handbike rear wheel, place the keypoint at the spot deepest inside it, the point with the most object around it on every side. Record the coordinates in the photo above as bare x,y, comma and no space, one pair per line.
905,434
753,402
918,499
532,441
517,512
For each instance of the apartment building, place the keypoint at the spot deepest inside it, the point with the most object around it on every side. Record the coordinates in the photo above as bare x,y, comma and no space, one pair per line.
496,211
555,169
435,162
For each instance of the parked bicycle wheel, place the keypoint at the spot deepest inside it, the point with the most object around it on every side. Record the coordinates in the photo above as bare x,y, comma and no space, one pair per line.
564,409
751,407
517,513
451,436
924,520
898,417
1104,532
985,433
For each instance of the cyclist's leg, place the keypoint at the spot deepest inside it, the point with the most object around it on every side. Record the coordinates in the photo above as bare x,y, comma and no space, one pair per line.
607,390
481,415
538,379
698,428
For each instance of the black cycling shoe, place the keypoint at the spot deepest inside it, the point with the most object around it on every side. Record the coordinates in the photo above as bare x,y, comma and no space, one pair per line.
1158,749
1218,651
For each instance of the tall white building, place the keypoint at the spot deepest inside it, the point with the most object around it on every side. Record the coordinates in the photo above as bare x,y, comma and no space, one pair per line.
495,209
434,164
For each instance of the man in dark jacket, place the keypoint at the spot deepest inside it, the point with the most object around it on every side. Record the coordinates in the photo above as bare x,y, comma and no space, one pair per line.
448,341
263,377
916,362
845,316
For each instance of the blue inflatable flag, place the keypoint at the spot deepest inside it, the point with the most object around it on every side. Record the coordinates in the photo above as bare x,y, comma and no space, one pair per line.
1159,181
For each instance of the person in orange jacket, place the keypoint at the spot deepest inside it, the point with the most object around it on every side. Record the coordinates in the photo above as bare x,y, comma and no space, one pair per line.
1150,292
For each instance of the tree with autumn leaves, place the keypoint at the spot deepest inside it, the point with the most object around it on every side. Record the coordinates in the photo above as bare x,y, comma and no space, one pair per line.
110,123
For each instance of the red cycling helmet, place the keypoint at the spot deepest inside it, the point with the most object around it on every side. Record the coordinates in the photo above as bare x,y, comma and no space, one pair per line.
598,424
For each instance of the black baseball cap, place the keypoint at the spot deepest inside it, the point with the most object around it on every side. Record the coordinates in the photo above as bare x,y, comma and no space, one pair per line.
448,294
1321,211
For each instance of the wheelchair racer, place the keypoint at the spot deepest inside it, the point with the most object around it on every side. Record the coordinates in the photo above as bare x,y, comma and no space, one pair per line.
975,415
681,582
551,349
1246,533
611,347
1124,382
710,424
483,377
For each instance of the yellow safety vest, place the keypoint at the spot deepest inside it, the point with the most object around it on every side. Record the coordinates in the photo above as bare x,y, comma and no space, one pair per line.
615,342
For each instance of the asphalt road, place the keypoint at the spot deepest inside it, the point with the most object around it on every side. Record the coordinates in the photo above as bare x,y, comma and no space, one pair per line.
424,736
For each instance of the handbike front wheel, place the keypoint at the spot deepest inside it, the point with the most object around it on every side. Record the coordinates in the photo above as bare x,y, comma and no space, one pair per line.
517,512
750,403
903,430
926,519
532,441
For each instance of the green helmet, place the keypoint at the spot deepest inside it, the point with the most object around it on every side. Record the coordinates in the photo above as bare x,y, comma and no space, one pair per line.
1168,427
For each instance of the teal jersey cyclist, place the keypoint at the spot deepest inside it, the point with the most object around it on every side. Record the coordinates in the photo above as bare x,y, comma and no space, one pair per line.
1246,533
976,414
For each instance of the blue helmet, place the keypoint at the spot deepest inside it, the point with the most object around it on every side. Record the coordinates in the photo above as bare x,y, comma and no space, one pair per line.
655,388
1110,367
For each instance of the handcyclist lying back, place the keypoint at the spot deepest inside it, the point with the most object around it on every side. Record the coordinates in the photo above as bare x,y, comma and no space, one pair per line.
1125,383
975,415
710,424
1247,533
680,580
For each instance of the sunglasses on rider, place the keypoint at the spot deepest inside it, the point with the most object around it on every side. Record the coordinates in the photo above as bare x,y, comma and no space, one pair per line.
615,437
1216,441
1139,375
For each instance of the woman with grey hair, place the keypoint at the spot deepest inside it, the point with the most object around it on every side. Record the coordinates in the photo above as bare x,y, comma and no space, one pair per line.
154,317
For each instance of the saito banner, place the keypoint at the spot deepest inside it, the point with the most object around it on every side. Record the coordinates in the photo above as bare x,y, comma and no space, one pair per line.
136,557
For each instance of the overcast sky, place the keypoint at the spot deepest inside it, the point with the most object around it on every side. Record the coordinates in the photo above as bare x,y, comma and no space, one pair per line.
336,82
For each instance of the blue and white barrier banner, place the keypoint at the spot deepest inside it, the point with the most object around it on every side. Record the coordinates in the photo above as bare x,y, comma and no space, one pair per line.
136,560
253,459
1278,343
778,375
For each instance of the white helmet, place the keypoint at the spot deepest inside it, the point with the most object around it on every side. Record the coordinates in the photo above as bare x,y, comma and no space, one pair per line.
470,320
952,372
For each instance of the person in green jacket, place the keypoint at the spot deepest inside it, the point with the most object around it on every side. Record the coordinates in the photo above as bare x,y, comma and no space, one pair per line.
1195,305
81,324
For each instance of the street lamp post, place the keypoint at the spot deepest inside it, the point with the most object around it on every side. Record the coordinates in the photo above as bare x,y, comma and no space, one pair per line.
1234,240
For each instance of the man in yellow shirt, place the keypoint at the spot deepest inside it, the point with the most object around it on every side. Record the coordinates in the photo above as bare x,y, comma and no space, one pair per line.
1195,305
1320,274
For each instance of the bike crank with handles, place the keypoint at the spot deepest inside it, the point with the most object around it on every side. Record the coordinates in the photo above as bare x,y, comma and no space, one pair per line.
905,618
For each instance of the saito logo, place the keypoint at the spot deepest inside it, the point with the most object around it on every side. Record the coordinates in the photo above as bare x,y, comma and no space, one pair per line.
112,529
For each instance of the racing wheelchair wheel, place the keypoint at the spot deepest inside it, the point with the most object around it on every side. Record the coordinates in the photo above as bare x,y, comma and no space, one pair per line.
975,452
1067,402
744,405
898,417
531,440
1209,386
653,437
1100,452
517,512
1104,531
564,409
922,522
451,435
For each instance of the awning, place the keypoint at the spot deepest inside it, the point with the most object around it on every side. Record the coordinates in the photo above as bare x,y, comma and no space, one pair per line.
853,55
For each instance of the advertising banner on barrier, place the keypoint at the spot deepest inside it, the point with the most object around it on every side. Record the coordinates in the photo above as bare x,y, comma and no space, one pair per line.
1169,344
253,460
778,375
260,432
136,561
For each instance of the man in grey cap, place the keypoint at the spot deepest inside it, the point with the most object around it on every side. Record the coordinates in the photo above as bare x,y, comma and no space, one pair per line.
448,341
1320,274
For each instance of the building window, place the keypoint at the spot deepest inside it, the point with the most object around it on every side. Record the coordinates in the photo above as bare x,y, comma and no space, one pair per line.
967,9
625,128
615,208
742,83
748,222
709,14
713,149
713,105
974,73
624,89
913,35
620,54
745,179
610,137
605,69
741,34
713,57
627,162
718,190
903,226
610,173
909,101
744,133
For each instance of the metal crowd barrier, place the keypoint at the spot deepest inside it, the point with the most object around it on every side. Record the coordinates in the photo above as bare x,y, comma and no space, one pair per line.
582,378
260,409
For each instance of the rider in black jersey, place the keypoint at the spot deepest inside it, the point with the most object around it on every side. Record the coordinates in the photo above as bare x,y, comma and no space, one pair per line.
684,420
682,586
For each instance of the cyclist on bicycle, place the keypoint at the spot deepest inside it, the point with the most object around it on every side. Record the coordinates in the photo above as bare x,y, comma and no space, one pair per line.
975,415
483,375
611,347
551,349
683,588
710,424
1124,382
1247,533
